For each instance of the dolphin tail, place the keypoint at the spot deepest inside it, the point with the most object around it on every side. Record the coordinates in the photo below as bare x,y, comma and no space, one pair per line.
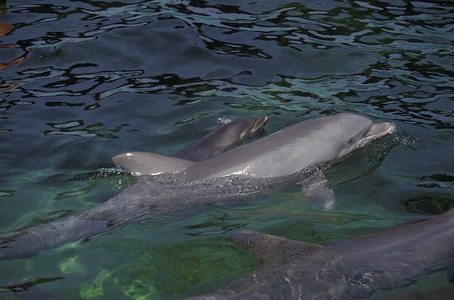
29,242
146,163
29,291
272,250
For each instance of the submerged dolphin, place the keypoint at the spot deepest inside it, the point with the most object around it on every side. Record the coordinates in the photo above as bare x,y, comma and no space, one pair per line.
348,269
27,243
167,185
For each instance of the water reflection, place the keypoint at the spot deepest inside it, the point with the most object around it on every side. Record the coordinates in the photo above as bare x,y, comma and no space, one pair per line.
78,128
294,41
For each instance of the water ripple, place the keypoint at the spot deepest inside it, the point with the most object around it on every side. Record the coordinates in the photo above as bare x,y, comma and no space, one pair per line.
83,80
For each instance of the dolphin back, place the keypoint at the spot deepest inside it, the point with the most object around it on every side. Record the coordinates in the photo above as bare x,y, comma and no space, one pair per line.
272,250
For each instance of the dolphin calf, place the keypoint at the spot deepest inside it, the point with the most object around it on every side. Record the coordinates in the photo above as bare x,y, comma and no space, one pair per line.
223,138
168,184
347,269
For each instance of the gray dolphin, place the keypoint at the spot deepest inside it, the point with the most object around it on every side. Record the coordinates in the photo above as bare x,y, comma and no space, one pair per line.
283,153
168,185
222,139
348,269
292,149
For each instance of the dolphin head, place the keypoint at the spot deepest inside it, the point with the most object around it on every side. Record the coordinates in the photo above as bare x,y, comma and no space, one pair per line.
227,135
357,131
242,127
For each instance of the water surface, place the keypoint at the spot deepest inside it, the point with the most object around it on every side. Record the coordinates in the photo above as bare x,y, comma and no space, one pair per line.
81,81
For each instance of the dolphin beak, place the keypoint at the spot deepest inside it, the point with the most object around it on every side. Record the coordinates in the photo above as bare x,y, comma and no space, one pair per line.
259,123
379,129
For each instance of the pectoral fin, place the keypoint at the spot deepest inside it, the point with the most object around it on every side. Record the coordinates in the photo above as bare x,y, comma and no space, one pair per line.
273,250
315,188
146,163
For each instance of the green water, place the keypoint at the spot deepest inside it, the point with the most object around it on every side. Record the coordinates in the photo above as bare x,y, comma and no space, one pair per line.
81,81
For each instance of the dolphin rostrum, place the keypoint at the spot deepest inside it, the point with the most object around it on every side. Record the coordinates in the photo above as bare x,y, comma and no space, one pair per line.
347,269
168,184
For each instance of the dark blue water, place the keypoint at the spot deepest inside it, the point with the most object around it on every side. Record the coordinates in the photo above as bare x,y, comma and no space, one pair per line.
81,81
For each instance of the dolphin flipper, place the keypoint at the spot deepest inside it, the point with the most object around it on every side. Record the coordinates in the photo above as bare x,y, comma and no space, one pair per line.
146,163
272,250
315,188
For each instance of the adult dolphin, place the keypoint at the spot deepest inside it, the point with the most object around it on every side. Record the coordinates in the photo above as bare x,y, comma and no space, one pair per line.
167,184
347,269
288,151
283,153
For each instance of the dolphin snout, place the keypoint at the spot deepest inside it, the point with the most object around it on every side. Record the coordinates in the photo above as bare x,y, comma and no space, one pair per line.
259,123
379,129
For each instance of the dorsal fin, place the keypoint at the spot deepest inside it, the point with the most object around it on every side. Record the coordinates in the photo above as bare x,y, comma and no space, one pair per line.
146,163
273,250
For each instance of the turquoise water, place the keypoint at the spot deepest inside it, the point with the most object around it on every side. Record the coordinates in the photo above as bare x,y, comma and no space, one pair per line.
82,81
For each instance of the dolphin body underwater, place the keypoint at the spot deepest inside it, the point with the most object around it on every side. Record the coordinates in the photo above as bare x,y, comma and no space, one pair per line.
346,269
167,185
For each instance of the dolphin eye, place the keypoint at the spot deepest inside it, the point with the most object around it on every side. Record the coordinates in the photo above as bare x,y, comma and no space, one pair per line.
350,141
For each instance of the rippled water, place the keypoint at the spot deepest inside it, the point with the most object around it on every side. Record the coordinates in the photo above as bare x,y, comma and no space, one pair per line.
82,81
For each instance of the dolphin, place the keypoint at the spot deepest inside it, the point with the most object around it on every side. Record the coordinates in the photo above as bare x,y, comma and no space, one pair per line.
347,269
286,152
168,185
222,139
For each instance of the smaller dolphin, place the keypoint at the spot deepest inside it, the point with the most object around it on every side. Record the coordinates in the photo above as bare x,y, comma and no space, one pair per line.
348,269
222,139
